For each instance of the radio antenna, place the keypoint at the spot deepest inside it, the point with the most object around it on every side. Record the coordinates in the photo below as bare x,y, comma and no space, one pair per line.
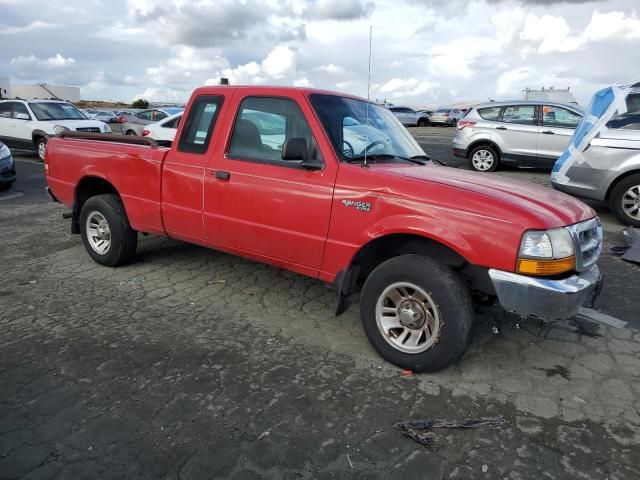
366,136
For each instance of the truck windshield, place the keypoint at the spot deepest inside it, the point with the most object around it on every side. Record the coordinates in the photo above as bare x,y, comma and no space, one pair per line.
55,111
357,126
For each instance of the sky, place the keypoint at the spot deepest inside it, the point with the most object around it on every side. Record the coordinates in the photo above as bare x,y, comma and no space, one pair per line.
424,52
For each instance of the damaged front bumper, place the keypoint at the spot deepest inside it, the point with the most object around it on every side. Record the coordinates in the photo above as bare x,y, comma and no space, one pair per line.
545,298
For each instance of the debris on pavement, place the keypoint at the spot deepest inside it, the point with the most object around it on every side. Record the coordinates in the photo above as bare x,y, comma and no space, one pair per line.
630,250
407,373
219,280
263,435
420,430
30,282
599,317
349,460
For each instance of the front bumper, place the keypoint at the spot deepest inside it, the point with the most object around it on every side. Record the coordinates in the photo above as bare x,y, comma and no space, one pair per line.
459,152
545,298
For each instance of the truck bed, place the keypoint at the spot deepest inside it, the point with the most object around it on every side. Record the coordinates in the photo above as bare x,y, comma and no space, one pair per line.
75,161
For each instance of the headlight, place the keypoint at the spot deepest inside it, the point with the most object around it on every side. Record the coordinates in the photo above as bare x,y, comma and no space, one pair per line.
107,128
4,151
549,252
58,129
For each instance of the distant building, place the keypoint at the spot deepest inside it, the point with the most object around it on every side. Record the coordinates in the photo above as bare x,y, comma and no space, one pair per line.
550,94
41,90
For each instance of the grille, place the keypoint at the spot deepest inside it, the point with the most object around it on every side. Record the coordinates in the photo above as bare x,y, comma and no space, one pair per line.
587,239
88,129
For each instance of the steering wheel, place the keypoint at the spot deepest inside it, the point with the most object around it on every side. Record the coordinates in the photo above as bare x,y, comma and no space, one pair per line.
347,149
371,145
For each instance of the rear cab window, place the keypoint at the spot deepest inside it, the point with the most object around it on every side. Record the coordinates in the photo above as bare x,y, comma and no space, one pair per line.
198,126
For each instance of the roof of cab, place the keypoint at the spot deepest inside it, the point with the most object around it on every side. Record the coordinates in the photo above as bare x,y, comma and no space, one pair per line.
272,89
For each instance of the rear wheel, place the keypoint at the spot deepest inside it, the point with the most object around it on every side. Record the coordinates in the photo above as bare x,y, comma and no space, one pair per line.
5,186
423,122
417,313
484,159
41,147
454,122
625,200
130,132
105,230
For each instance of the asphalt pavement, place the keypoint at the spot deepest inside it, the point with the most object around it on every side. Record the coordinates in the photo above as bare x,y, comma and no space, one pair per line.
193,364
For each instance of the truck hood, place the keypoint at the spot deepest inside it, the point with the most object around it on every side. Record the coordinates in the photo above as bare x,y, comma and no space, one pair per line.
549,207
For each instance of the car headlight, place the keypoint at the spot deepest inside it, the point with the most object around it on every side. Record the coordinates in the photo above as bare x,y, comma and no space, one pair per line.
58,129
549,252
107,128
4,151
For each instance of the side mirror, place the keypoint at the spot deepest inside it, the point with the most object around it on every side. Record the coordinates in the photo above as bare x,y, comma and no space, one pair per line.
296,149
22,116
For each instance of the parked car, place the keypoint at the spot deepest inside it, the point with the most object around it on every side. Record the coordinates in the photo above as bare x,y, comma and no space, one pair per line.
389,222
446,116
606,162
7,168
29,124
163,131
135,123
519,133
106,116
410,117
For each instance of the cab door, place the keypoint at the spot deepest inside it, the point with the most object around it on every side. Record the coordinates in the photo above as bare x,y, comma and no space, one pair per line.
183,170
517,133
558,125
258,203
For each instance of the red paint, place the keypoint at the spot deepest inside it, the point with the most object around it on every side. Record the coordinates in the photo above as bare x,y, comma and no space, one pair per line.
295,219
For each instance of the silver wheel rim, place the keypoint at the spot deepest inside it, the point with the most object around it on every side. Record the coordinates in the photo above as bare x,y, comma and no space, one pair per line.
42,148
631,202
482,160
408,318
98,233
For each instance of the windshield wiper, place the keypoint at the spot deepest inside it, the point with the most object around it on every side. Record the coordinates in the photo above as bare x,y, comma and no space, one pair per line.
418,159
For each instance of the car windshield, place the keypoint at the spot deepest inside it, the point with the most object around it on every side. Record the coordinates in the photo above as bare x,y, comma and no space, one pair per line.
357,126
172,110
56,111
443,110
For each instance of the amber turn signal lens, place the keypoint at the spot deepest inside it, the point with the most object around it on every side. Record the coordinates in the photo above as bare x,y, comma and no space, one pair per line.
530,266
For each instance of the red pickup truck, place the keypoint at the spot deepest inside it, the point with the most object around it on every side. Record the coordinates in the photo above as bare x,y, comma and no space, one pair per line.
334,187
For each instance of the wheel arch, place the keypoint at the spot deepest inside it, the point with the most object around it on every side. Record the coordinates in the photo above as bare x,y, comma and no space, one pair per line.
38,134
89,186
619,179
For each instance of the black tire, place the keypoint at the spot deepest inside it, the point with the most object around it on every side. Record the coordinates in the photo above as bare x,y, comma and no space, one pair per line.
449,294
423,122
491,150
454,122
131,132
41,146
5,186
123,238
617,197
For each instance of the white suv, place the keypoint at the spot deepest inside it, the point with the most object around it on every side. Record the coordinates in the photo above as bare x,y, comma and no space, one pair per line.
28,124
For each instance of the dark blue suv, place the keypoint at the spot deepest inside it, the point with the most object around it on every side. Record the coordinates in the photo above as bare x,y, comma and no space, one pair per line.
7,168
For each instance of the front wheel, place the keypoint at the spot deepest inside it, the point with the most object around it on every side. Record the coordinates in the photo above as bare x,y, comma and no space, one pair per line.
417,313
130,132
423,122
105,230
41,147
625,200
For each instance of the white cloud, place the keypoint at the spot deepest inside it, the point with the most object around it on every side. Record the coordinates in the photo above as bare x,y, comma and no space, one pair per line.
612,24
340,9
278,66
407,87
30,27
280,62
58,61
302,82
186,65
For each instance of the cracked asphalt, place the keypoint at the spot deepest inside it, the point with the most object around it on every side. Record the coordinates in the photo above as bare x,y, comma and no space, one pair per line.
193,364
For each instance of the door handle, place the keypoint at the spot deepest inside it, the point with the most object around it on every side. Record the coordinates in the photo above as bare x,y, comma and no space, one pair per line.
222,175
548,132
501,128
